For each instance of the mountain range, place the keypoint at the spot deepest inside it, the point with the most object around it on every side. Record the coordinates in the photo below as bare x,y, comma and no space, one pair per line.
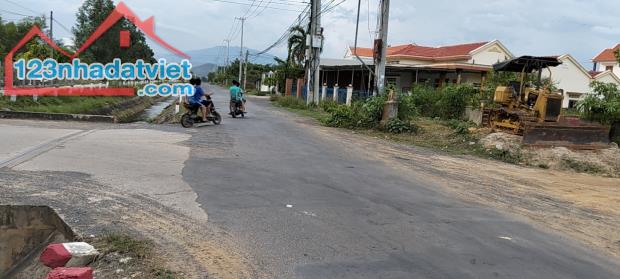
206,60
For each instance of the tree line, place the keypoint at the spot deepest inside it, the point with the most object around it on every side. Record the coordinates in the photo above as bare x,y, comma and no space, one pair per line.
89,16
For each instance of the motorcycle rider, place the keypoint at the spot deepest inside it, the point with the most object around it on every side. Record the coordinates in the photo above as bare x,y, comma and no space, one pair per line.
196,100
206,98
236,96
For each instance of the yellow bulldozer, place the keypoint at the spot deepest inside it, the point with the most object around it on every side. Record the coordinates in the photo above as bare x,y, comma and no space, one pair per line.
535,111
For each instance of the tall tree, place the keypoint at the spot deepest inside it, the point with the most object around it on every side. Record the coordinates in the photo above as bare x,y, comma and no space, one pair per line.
90,15
12,32
297,45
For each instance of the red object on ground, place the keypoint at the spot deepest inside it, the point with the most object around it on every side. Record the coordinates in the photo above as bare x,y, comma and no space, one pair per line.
71,273
55,255
125,39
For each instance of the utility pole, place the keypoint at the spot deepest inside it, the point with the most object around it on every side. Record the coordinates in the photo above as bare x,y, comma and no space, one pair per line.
380,47
51,33
245,71
315,42
227,59
241,50
227,51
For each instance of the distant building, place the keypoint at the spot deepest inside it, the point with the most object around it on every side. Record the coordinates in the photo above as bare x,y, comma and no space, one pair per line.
573,80
411,64
262,84
606,61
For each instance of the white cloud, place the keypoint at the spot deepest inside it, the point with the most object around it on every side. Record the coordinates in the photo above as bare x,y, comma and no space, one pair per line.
579,27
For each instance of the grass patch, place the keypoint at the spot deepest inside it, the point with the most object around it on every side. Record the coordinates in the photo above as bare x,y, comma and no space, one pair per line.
163,273
452,136
580,166
120,251
125,244
77,105
298,106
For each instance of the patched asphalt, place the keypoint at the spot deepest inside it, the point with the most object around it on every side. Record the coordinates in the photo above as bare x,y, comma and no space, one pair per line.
303,206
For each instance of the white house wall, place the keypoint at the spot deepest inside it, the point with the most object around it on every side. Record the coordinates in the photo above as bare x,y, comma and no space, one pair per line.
607,79
602,67
570,78
471,78
492,54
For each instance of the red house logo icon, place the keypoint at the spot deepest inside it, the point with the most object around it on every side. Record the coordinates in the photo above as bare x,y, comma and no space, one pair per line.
121,11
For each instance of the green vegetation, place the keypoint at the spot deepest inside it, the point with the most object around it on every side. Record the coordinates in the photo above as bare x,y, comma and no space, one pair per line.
297,45
230,73
163,273
397,126
141,253
446,103
602,106
127,245
291,68
84,105
90,15
428,117
580,166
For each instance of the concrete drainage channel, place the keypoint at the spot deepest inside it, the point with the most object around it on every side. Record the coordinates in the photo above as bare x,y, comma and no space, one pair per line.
25,232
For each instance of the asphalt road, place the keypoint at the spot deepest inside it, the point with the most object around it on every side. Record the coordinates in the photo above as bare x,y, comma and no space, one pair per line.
302,206
274,196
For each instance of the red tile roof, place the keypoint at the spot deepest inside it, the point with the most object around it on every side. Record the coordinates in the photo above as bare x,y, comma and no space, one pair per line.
426,53
593,74
607,55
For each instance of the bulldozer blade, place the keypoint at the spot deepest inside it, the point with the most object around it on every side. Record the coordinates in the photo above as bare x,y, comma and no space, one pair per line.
571,136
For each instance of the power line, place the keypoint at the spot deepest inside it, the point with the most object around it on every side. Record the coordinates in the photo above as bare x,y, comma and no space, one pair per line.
327,8
248,10
286,32
264,8
247,4
281,3
63,26
16,13
21,6
252,14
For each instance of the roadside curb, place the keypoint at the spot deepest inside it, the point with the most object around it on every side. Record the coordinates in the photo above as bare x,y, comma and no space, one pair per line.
57,116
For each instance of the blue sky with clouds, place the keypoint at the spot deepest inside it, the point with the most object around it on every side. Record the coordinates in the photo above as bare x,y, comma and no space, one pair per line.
581,28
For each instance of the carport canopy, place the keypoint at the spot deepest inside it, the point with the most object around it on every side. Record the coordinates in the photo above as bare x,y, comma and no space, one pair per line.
526,64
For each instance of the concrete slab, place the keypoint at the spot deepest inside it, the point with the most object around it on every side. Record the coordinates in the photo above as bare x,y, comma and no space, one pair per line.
142,161
16,139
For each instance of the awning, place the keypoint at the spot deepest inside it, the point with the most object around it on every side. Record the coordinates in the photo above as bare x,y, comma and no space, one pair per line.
527,63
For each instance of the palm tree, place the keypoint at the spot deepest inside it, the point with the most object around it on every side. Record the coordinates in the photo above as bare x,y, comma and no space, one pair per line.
297,45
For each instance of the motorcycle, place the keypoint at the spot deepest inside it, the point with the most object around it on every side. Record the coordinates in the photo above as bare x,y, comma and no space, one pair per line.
191,116
236,110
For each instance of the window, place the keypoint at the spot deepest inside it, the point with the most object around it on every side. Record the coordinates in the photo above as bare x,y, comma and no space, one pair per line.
393,81
609,68
572,103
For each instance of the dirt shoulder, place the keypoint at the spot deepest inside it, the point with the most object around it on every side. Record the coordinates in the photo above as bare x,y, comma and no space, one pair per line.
582,206
182,247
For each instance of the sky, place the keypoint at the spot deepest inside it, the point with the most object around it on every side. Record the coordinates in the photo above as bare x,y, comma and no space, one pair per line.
534,27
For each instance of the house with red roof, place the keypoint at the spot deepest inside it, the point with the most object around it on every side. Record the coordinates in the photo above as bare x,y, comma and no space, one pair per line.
411,64
606,60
